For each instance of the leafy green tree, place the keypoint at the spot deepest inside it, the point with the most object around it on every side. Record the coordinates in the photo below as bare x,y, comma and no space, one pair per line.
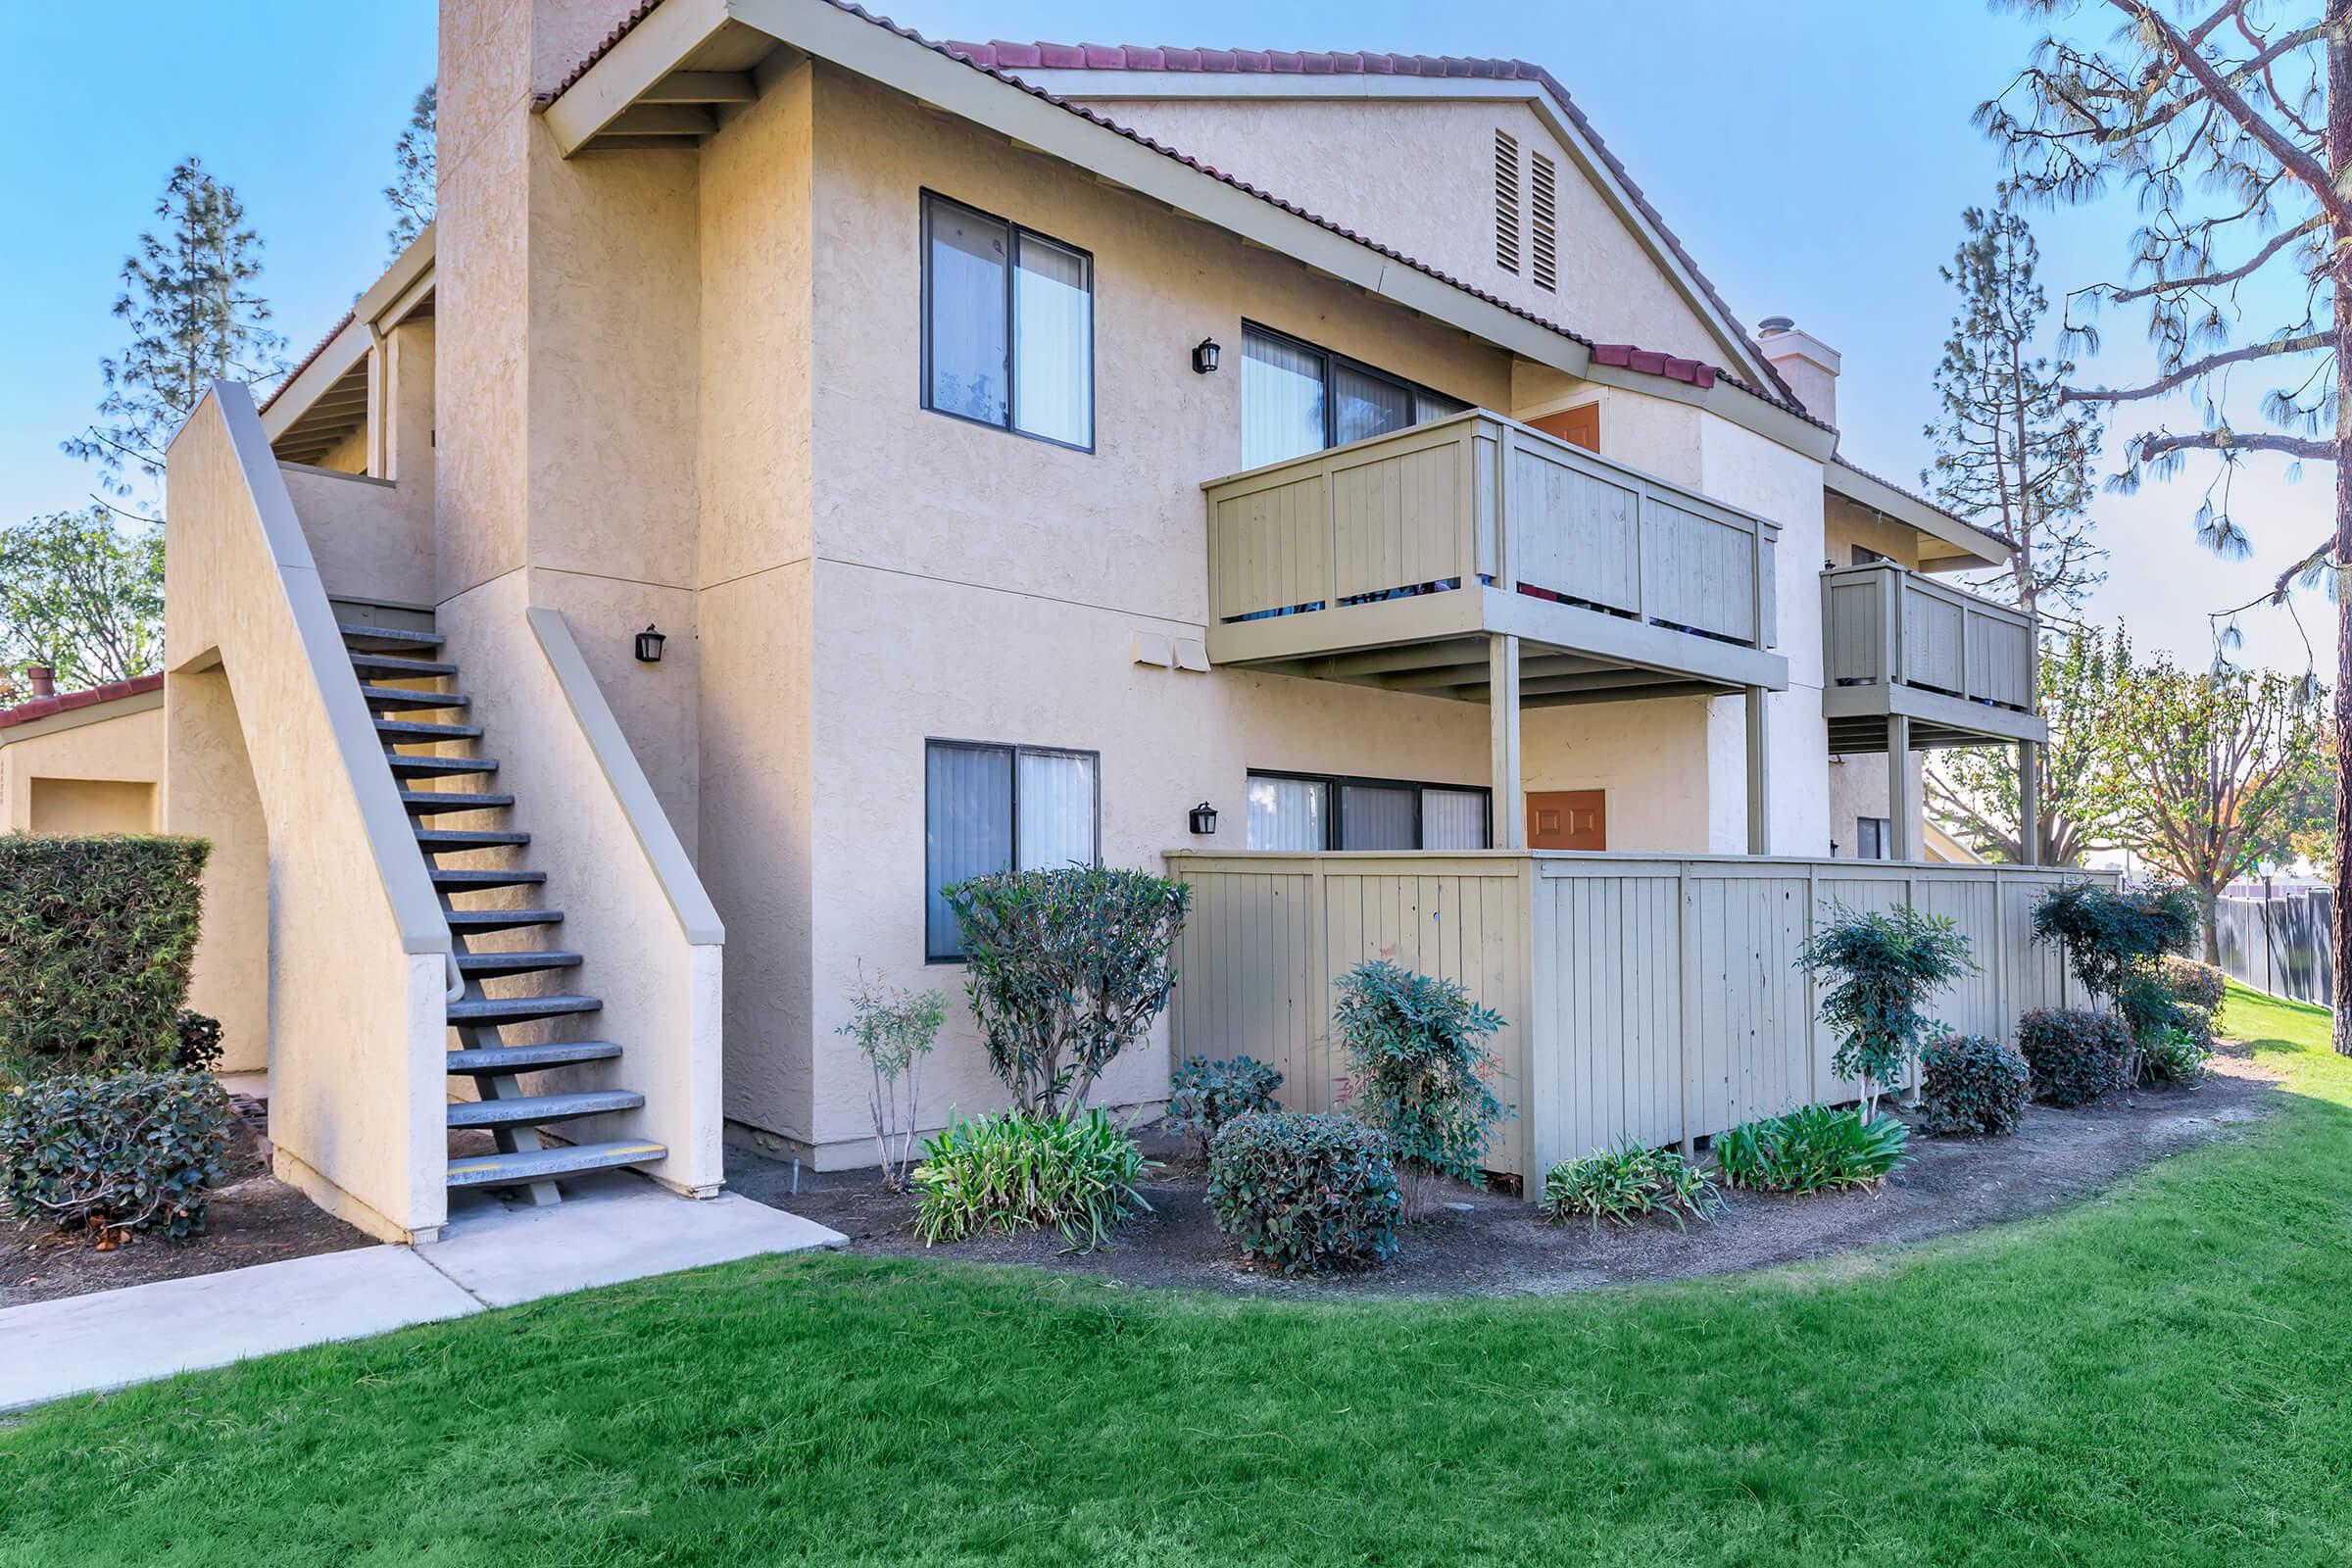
83,596
2229,124
2202,770
194,316
1418,1046
1879,968
2012,455
1972,791
411,193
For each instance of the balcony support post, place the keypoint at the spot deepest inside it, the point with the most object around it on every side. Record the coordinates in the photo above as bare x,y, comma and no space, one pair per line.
1902,812
2029,803
1759,773
1502,718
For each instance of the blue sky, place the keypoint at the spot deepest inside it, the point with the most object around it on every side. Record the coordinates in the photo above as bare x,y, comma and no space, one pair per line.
1813,154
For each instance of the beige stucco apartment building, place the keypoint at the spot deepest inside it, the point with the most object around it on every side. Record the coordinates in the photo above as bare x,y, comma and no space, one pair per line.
1017,448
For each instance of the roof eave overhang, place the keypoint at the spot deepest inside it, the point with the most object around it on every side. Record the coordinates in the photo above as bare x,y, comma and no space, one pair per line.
405,285
1979,547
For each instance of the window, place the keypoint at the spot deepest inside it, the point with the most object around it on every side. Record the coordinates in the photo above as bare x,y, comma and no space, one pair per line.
1009,325
1544,259
1506,201
1297,399
989,808
1305,812
1873,837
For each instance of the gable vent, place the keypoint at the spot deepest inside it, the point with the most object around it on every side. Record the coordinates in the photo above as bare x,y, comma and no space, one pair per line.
1506,201
1545,213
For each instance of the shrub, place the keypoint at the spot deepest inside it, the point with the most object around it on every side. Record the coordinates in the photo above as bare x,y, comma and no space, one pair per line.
199,1042
2179,1054
1974,1085
1419,1049
2075,1056
1014,1170
97,935
1811,1149
1881,966
895,1031
1625,1183
1065,970
115,1151
2116,944
1204,1095
1304,1191
2199,985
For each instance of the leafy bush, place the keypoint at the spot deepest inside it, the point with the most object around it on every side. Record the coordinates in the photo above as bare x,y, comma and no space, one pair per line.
115,1151
1204,1095
199,1042
1811,1149
1065,970
2199,985
1881,966
2075,1056
2116,944
1014,1170
1419,1047
895,1029
1625,1183
1304,1191
2178,1054
1974,1085
97,935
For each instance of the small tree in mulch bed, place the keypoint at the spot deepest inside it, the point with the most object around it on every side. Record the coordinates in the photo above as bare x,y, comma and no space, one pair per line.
1881,968
1419,1045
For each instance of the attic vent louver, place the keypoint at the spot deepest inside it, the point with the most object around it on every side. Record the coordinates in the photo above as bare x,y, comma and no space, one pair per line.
1544,195
1506,201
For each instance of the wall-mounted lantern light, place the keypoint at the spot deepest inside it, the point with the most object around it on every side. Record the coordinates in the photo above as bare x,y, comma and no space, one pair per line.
648,646
1204,818
1204,357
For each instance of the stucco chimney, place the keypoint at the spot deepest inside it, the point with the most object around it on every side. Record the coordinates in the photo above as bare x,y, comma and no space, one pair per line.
1807,364
42,679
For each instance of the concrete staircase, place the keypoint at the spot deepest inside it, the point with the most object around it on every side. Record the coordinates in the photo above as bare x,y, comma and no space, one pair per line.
401,681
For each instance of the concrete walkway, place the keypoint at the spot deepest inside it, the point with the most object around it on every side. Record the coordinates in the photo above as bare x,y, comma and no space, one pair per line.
492,1253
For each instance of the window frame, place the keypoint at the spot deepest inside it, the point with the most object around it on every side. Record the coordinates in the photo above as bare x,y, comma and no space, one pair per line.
1882,828
1014,752
1331,358
1335,802
929,199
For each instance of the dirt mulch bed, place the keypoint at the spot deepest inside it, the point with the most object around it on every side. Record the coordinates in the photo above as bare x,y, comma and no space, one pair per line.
1487,1244
254,1218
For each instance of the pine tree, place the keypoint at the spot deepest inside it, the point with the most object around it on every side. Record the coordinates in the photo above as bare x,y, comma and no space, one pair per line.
411,193
194,318
2012,456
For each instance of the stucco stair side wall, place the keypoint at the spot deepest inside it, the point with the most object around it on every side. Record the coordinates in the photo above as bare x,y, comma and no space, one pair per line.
355,954
124,746
1419,176
209,791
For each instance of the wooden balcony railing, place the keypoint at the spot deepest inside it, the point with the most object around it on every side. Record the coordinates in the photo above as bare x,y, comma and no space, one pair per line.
1885,625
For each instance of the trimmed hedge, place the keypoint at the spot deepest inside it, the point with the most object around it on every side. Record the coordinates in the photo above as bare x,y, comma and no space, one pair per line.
1204,1095
2075,1056
115,1151
97,935
2201,985
1304,1191
1974,1085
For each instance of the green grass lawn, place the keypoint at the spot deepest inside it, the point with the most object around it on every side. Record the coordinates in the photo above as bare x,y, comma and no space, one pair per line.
2161,1376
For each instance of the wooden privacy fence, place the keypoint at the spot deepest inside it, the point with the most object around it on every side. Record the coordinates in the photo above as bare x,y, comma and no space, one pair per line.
1648,998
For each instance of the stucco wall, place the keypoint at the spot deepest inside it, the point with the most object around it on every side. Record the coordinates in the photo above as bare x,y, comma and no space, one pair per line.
1419,177
1849,525
121,741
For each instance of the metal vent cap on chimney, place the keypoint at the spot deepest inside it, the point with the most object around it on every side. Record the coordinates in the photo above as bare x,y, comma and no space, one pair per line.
1776,323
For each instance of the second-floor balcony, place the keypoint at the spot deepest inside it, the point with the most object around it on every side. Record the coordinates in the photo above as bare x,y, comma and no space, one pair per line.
1959,667
1393,561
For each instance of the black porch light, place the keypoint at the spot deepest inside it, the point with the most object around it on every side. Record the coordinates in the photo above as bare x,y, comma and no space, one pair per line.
1204,357
648,646
1204,818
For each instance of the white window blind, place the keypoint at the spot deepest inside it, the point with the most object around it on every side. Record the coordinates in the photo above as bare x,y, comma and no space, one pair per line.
1365,406
1282,399
1454,820
1054,329
1009,325
1377,816
1057,811
967,793
1288,814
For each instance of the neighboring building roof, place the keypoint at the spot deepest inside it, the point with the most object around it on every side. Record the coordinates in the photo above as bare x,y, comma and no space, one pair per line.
68,701
1983,546
982,58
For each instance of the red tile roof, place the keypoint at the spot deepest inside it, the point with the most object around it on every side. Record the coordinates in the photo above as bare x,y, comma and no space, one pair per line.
995,60
66,701
308,360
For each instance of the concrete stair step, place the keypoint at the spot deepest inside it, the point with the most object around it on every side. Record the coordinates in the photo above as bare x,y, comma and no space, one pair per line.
534,1111
439,766
407,698
440,840
373,663
452,879
497,963
386,639
502,920
542,1164
519,1009
432,803
416,732
481,1060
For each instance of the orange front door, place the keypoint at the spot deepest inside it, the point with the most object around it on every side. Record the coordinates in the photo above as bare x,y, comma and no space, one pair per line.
1579,425
1567,819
